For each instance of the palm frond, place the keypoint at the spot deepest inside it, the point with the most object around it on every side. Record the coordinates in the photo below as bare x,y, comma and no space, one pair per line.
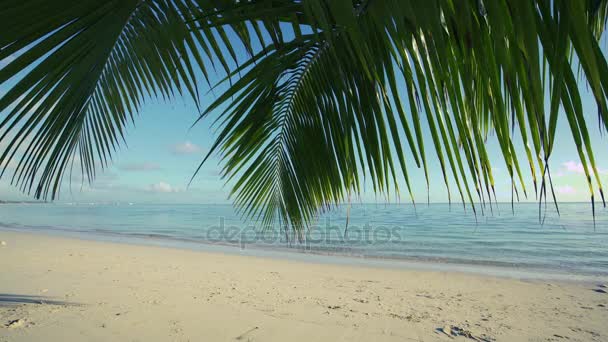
332,94
315,115
83,70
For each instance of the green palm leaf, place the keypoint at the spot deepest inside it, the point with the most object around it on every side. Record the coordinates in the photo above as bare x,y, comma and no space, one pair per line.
466,67
332,94
88,65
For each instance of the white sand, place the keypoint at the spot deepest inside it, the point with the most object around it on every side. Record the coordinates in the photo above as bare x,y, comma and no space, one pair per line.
117,292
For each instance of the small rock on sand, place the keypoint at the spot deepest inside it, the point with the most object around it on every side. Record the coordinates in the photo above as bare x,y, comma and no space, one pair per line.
455,331
17,323
2,243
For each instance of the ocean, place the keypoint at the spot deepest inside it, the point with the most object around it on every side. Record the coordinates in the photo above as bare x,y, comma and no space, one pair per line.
569,243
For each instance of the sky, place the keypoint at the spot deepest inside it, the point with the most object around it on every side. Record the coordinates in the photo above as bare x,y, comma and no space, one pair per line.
163,151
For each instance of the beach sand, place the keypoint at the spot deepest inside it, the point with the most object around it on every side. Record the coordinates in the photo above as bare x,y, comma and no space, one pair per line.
63,289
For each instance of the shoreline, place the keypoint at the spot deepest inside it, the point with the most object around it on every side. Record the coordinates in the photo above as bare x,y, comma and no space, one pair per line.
66,289
499,269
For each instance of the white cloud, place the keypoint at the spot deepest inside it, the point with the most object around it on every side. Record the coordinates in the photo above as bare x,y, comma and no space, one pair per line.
145,166
573,166
559,174
565,190
186,148
162,187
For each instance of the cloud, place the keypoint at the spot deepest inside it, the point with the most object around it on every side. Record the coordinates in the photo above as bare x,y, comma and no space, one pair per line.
145,166
565,190
573,166
162,187
558,174
186,148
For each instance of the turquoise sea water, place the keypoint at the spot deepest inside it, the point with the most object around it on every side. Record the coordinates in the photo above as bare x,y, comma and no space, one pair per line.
568,243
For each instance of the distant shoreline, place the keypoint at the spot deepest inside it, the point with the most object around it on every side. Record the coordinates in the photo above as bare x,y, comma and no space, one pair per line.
455,205
24,202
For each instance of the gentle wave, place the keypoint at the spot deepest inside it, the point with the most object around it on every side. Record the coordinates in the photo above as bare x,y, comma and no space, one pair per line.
567,243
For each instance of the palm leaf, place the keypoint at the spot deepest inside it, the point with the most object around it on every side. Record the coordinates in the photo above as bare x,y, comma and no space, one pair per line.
83,70
468,67
331,95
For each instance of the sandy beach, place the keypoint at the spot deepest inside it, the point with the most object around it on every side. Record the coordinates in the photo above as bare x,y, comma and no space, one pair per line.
64,289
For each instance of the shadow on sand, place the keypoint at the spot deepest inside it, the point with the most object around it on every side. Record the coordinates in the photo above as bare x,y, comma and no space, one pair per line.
7,299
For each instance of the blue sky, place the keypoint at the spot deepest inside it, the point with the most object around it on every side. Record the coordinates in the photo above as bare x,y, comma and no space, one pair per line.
163,152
